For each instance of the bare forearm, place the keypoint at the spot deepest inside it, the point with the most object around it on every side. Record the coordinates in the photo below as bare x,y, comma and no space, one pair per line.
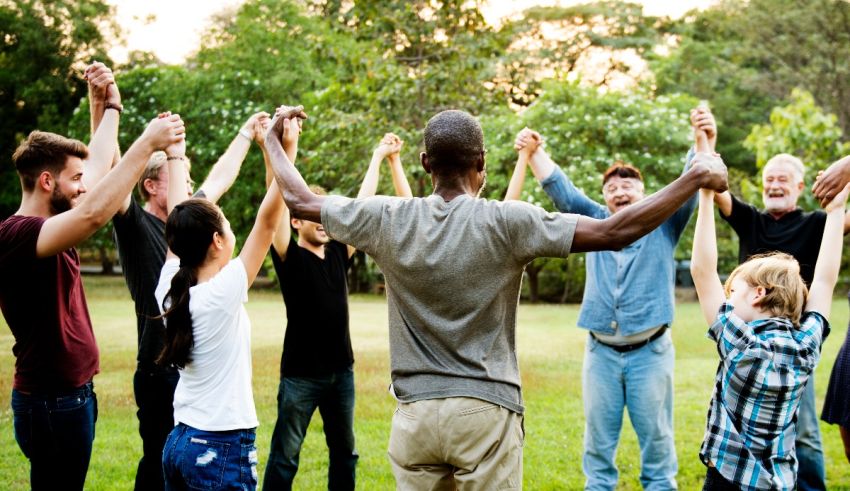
369,186
107,196
704,255
637,220
302,203
102,149
542,165
400,184
226,169
514,191
829,257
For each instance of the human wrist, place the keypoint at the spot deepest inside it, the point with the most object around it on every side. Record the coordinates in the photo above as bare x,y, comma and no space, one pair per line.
111,105
174,156
248,134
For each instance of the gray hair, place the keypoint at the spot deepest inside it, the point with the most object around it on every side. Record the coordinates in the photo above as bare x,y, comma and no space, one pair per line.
795,163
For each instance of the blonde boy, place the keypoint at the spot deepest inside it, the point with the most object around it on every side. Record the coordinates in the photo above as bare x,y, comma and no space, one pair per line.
769,332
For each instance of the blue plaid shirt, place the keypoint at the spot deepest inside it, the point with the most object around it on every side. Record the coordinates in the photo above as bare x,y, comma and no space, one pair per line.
752,422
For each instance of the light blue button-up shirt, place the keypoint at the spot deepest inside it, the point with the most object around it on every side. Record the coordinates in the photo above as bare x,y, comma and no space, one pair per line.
631,288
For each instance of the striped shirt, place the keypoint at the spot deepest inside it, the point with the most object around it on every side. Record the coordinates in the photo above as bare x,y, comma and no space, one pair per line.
752,423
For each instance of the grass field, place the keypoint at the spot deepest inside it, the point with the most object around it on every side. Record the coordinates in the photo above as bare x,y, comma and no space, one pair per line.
550,354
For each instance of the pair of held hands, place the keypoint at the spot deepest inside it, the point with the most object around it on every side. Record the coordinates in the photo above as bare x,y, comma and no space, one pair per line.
710,166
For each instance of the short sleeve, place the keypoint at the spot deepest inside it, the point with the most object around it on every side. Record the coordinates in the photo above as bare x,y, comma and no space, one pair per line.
535,232
169,269
814,329
742,217
729,330
18,240
229,287
356,222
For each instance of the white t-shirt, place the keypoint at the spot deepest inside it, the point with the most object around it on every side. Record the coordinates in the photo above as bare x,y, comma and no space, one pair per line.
214,392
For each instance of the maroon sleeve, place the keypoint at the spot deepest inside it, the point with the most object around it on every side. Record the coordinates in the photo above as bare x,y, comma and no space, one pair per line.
18,239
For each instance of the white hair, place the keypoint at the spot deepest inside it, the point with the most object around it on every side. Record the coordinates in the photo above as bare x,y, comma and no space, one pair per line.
796,164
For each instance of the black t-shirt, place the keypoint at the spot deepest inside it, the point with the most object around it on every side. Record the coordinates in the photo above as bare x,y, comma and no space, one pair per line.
797,233
140,237
315,291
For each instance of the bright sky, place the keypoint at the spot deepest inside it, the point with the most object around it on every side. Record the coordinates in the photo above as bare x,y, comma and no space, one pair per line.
172,28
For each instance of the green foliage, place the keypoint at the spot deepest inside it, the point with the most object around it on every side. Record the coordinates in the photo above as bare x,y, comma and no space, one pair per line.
44,46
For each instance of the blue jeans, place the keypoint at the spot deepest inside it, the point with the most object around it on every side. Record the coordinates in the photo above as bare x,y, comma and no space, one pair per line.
154,393
198,459
297,399
642,382
811,475
55,432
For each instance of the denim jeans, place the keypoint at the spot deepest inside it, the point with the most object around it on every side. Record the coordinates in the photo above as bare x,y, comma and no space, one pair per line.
811,475
297,400
197,459
642,382
714,481
154,393
55,432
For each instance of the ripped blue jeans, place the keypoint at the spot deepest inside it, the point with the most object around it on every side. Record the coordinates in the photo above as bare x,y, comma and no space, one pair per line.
197,459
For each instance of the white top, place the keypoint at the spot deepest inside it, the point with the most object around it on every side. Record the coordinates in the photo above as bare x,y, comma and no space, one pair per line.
214,392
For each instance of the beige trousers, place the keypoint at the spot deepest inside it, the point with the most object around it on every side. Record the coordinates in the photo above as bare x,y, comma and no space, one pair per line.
456,443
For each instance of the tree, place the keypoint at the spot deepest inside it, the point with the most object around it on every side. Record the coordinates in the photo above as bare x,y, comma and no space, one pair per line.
44,47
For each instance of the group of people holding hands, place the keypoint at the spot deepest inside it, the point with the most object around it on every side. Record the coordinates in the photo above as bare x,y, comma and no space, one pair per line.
453,265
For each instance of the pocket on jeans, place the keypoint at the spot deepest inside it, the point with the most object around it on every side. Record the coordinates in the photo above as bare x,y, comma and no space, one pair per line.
70,403
404,409
203,463
484,407
22,422
662,344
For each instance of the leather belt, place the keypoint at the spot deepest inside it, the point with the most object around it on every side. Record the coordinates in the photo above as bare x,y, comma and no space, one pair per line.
625,348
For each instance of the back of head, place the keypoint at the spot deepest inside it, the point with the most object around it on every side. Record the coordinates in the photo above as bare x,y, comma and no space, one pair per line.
779,274
454,142
621,169
189,232
43,151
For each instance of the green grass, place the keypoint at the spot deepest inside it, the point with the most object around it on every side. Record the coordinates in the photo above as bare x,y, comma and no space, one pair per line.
550,354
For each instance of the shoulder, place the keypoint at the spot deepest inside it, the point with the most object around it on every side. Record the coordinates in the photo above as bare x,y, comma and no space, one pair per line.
19,229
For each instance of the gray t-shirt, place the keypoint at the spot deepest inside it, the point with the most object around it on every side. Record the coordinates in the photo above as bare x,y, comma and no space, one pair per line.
453,273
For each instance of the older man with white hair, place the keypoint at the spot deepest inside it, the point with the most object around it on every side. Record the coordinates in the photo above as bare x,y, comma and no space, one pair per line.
781,226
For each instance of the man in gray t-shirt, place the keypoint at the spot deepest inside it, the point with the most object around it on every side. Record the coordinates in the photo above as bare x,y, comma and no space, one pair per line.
453,264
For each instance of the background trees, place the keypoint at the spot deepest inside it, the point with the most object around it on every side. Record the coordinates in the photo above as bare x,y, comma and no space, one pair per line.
601,81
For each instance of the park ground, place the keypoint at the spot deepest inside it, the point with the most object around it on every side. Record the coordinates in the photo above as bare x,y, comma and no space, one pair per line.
550,356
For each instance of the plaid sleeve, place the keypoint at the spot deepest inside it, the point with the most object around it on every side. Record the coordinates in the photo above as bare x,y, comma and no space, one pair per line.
814,329
729,330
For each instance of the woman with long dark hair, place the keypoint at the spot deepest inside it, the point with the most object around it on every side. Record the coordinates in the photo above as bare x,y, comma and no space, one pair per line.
201,291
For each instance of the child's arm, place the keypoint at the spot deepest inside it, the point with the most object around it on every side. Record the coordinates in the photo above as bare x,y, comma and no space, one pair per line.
829,257
704,259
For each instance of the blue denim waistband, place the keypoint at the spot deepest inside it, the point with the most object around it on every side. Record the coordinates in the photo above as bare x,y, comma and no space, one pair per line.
84,390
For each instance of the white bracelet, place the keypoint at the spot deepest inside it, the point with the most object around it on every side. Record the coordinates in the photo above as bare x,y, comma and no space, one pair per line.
247,134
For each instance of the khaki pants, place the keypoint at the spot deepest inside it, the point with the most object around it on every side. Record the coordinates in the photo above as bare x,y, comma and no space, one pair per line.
456,443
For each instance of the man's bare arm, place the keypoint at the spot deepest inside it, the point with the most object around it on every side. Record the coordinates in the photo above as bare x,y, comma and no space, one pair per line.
634,221
68,229
302,202
283,234
103,147
224,172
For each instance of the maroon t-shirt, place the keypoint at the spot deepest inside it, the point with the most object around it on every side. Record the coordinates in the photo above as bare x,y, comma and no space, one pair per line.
45,306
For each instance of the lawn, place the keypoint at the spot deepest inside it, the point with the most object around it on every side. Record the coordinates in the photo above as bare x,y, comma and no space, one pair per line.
550,353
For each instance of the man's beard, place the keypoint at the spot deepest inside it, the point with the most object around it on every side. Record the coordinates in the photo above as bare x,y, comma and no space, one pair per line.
59,203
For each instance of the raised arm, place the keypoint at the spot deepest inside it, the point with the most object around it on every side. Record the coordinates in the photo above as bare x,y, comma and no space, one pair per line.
283,234
704,259
223,173
525,144
271,209
302,202
703,120
68,229
400,184
831,181
178,174
636,220
829,256
105,102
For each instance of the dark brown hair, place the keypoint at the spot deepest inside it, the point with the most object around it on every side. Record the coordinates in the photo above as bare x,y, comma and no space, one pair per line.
189,232
621,169
43,151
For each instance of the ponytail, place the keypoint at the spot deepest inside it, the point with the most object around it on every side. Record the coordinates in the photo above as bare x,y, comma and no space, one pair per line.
179,339
189,232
